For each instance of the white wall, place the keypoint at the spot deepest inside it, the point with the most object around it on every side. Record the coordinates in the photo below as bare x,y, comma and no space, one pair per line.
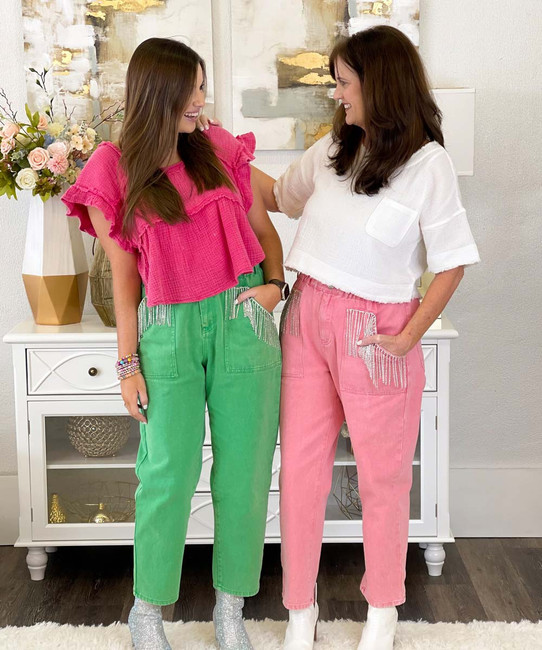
496,417
496,420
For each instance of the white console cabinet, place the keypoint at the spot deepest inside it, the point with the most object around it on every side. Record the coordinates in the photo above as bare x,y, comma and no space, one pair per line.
69,371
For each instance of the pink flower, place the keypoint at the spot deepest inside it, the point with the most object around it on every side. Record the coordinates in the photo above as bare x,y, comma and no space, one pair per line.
38,158
58,148
10,130
58,164
7,145
42,124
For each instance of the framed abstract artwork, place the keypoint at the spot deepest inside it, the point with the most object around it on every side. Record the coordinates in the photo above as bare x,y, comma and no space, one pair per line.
281,86
270,58
87,44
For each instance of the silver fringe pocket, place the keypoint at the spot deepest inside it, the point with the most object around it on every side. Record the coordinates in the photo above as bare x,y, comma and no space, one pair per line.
383,367
261,320
147,316
290,318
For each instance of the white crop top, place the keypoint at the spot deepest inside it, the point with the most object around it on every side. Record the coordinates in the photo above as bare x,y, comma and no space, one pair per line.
376,247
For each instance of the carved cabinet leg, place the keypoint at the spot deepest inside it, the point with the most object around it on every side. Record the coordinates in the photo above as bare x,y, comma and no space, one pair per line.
434,556
36,560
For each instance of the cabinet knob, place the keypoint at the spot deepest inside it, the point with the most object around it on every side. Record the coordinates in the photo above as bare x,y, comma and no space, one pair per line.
93,372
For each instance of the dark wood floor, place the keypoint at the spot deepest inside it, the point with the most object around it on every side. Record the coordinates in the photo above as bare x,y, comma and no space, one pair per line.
483,579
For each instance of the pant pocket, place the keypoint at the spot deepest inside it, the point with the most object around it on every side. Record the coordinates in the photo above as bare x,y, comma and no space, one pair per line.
251,338
369,370
157,349
291,337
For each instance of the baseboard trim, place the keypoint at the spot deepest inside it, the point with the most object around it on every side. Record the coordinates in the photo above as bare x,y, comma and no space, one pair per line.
9,509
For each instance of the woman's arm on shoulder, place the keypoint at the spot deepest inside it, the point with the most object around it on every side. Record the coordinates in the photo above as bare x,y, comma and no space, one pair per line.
291,191
265,185
268,295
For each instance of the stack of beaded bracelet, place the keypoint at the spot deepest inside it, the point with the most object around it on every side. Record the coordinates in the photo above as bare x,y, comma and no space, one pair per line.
128,366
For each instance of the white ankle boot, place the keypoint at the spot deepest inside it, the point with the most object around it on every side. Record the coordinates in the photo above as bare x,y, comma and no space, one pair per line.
379,630
301,630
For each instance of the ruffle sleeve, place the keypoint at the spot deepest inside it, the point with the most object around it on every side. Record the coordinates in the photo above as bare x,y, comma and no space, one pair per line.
236,153
245,155
98,185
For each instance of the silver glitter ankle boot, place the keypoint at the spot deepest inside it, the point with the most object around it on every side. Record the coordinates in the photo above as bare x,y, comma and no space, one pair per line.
146,626
229,625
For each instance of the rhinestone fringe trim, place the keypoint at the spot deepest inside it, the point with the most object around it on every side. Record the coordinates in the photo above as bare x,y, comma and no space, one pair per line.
289,319
147,316
261,320
382,366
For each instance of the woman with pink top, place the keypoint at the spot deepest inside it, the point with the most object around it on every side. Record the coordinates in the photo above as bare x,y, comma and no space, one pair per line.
175,209
379,203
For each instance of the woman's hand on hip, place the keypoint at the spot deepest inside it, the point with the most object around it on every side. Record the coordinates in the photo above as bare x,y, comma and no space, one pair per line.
134,394
267,295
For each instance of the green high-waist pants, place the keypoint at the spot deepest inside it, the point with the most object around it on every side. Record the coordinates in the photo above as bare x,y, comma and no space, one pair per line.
228,356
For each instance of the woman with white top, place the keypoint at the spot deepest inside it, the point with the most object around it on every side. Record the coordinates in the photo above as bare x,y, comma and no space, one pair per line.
378,203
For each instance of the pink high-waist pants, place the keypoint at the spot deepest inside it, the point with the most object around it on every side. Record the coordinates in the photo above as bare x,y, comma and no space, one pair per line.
327,378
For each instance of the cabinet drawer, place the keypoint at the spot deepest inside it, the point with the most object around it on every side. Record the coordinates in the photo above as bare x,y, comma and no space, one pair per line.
204,484
72,371
201,522
430,361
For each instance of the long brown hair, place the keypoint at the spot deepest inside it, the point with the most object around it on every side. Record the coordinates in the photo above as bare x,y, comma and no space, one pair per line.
159,83
400,112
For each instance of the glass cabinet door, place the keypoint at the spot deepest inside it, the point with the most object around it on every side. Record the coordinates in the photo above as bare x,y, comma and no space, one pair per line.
344,517
83,480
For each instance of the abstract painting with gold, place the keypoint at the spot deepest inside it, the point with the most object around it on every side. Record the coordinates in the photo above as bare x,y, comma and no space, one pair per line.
281,84
282,89
87,44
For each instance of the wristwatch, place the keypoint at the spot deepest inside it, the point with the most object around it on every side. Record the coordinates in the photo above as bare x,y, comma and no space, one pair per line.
283,286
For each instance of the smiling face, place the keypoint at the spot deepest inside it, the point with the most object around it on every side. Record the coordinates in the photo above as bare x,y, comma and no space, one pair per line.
188,120
348,92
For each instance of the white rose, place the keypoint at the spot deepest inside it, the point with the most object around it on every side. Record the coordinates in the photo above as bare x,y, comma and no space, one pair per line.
27,178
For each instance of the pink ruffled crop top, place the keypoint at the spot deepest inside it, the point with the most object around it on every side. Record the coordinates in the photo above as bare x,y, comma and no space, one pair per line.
186,261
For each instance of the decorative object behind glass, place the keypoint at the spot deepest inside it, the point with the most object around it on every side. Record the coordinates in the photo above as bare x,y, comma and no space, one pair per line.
100,516
102,502
98,436
56,511
346,493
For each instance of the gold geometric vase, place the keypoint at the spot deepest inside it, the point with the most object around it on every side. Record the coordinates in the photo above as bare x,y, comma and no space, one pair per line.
55,269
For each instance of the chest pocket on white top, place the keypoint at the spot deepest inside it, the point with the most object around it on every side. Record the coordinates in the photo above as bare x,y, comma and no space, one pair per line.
390,222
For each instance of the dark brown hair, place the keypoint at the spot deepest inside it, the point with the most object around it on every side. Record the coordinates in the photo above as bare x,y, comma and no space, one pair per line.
400,112
159,83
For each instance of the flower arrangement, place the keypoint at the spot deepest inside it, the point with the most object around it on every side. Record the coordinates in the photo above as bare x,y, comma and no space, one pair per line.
46,152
